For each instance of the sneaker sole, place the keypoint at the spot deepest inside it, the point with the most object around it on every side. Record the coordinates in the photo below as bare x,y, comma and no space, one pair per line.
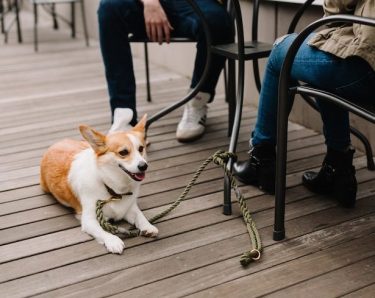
191,139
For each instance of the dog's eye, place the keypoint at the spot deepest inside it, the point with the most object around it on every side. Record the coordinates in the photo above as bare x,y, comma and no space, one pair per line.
124,152
141,148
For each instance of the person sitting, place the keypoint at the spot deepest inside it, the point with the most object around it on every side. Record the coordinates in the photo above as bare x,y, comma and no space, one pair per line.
159,20
340,60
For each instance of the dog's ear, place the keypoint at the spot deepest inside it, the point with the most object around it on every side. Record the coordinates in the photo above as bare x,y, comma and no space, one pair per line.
141,125
94,138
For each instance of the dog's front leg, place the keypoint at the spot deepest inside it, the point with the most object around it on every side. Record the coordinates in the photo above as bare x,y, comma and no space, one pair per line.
136,217
91,226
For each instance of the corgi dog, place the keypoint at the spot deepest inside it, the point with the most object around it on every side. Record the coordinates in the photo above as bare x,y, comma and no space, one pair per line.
79,173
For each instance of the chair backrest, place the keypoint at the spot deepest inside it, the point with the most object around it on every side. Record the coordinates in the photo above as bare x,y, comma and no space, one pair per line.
287,65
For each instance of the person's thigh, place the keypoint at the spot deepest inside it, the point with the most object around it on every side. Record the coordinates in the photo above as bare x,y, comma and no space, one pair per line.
352,78
186,22
126,14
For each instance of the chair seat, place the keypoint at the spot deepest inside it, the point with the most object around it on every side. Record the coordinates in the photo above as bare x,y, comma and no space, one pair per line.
52,1
253,50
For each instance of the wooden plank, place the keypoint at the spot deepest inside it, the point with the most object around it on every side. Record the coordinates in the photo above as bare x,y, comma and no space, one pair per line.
219,142
26,204
256,284
334,283
171,122
185,223
170,145
365,292
209,194
205,150
185,262
43,141
35,190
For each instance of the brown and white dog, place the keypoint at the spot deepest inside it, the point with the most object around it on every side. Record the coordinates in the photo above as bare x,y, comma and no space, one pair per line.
79,173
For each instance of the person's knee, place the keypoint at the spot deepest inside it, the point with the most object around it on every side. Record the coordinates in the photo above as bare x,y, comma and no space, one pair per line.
280,48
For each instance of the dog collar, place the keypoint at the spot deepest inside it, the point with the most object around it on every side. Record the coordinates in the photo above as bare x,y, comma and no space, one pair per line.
116,195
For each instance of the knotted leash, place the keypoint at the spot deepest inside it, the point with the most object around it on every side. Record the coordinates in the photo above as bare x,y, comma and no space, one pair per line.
220,158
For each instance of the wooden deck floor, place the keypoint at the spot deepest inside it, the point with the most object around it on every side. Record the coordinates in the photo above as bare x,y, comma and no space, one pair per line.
329,251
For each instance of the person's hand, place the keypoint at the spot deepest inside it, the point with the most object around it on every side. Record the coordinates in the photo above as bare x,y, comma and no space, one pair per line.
158,27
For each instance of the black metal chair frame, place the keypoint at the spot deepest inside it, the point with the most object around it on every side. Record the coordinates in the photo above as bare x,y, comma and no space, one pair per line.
286,95
240,51
243,51
50,7
13,6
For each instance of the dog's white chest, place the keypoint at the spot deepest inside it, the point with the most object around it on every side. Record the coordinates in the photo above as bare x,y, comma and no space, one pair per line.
117,209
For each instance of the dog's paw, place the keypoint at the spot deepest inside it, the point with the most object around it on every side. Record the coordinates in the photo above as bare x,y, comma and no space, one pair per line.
114,244
150,231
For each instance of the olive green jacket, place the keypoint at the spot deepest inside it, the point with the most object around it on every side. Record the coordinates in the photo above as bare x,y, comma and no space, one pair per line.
345,41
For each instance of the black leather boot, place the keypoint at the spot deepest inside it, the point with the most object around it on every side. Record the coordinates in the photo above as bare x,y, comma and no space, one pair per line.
336,177
259,169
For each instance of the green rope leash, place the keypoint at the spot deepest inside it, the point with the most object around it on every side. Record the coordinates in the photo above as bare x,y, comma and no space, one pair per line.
220,158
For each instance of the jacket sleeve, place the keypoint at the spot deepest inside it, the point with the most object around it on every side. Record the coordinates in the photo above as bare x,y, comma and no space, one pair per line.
332,7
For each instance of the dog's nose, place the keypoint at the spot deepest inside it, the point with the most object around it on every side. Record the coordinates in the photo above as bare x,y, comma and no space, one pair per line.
142,166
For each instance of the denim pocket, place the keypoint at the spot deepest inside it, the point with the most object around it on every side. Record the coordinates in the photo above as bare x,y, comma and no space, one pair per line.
360,90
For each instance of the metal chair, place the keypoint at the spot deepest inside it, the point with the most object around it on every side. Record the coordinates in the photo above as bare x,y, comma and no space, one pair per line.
313,104
240,51
50,7
11,6
286,94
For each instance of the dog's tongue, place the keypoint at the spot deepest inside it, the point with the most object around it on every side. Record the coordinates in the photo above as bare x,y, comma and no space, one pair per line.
140,176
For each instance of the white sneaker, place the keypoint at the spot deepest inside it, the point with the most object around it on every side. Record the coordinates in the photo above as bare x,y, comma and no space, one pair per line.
192,125
121,120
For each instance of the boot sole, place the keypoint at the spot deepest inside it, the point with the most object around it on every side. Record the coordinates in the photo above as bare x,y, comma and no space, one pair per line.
263,188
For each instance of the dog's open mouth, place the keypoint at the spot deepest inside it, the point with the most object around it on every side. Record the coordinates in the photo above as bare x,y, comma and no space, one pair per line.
135,176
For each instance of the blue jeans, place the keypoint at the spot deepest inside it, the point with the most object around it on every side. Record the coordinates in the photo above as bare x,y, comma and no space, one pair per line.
119,18
352,78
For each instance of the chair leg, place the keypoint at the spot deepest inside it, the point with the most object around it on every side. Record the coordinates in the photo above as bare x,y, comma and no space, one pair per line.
54,17
225,71
35,7
84,24
237,99
227,206
18,22
367,145
231,97
2,24
281,156
73,19
147,73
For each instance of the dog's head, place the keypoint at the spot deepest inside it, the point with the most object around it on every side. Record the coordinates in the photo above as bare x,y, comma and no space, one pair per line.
120,152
